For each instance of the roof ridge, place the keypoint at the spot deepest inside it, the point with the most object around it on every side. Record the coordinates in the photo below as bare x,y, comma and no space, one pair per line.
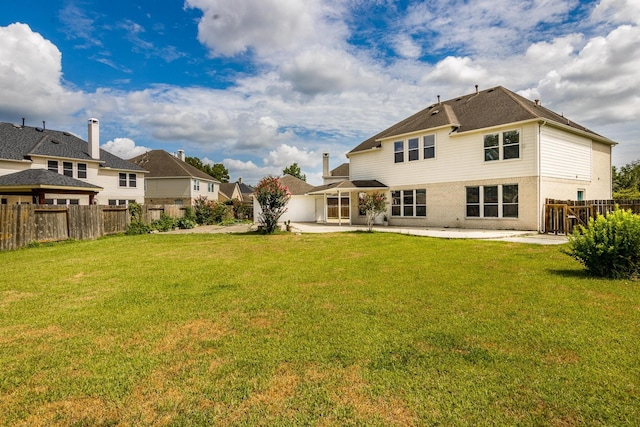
39,143
516,98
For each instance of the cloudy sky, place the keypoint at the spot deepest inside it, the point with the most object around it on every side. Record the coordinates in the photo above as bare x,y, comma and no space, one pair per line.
260,84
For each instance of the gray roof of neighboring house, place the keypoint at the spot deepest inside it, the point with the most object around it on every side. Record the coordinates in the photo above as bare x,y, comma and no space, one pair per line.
227,188
161,164
295,185
43,178
21,142
487,108
342,170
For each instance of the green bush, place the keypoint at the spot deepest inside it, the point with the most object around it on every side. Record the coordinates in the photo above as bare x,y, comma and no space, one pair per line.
137,228
165,223
609,246
185,222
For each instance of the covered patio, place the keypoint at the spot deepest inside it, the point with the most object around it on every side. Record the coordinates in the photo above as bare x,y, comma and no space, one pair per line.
41,186
335,201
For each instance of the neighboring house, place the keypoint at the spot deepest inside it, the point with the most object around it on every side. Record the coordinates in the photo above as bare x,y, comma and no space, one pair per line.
43,166
229,191
486,160
300,208
172,181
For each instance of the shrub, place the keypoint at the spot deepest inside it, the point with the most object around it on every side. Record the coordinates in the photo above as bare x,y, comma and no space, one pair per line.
373,204
609,246
137,228
273,198
165,223
185,223
190,214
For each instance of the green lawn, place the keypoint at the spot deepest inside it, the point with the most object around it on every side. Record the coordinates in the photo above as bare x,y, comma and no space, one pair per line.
334,329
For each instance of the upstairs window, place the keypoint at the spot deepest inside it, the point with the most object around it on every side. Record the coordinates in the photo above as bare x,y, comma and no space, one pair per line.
398,151
67,169
122,179
82,170
511,145
414,151
52,165
196,185
429,146
210,187
502,146
132,180
491,147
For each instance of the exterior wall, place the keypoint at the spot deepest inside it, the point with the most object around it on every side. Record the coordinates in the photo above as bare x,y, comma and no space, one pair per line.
109,180
446,206
299,209
168,190
457,158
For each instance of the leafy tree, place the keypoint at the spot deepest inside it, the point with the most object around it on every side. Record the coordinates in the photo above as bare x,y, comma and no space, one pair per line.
218,170
373,204
626,180
294,170
272,196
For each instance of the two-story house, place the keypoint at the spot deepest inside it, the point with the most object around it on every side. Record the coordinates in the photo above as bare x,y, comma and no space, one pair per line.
484,160
44,166
172,181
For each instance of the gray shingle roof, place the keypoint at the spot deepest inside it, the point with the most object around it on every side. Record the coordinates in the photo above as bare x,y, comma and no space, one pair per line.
295,185
487,108
20,142
161,164
43,178
342,170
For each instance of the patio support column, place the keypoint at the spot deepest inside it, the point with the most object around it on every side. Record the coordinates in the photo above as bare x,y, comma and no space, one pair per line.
326,209
339,208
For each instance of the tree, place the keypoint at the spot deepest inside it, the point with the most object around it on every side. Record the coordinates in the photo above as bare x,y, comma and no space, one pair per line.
218,170
294,170
627,178
272,197
373,205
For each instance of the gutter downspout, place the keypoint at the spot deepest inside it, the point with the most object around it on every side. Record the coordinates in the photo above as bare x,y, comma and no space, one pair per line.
539,183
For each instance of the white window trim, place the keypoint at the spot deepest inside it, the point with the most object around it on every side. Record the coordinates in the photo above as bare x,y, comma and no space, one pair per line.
501,146
500,203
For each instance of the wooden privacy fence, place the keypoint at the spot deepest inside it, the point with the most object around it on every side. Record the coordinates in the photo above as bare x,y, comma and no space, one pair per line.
21,225
561,216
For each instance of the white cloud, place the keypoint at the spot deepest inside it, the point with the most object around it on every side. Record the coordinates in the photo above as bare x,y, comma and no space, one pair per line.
124,148
229,27
286,155
617,11
30,76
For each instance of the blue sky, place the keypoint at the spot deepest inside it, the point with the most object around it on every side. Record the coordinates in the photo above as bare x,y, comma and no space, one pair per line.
260,84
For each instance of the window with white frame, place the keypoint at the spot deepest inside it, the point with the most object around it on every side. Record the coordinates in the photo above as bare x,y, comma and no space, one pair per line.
429,146
122,179
82,170
67,169
492,201
409,203
196,185
210,187
133,180
398,151
502,146
414,149
52,165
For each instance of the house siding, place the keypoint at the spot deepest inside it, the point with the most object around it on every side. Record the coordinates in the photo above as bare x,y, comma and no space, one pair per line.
458,158
565,155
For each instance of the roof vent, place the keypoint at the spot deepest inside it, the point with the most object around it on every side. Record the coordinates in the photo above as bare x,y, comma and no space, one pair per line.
491,90
55,141
40,129
434,112
66,133
537,101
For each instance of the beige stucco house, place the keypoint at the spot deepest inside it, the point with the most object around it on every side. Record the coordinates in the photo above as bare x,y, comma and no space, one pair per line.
484,160
45,166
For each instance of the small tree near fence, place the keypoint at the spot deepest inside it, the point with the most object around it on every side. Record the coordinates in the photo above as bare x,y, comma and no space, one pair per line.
273,197
373,204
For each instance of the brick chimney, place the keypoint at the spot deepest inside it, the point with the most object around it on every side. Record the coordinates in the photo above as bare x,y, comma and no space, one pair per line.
94,138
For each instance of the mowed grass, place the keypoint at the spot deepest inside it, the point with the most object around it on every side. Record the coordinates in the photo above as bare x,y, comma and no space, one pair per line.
334,329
